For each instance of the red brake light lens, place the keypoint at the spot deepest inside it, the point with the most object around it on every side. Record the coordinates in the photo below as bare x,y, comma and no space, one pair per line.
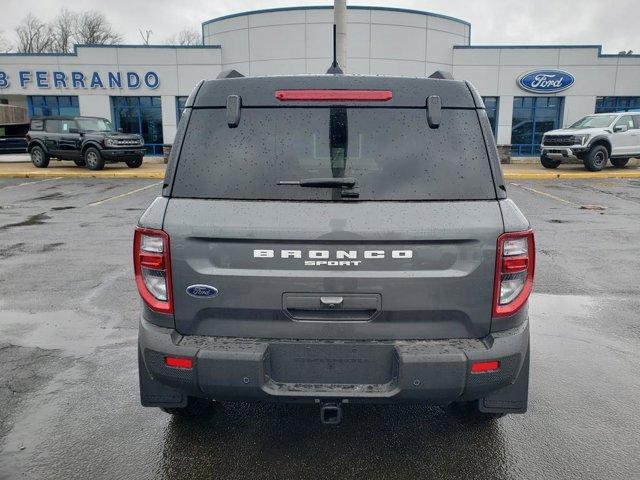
485,367
179,362
334,95
152,267
515,265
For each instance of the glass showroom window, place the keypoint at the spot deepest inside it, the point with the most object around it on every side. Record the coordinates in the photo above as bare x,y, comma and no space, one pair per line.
617,104
180,103
491,105
48,105
532,117
141,115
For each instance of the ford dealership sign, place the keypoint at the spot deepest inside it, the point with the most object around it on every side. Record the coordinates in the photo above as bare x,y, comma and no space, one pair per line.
546,81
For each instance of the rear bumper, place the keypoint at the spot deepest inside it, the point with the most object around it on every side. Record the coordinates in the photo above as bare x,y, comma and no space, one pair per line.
436,371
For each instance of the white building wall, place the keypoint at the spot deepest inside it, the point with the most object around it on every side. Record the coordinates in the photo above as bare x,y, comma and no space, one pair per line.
299,40
95,105
495,70
178,68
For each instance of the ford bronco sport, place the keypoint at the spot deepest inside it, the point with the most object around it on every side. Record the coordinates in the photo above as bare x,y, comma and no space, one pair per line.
594,139
88,141
334,239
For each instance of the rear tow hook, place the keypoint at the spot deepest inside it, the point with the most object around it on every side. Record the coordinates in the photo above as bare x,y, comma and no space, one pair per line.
331,413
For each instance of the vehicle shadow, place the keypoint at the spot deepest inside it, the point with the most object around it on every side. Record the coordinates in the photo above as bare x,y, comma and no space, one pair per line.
254,440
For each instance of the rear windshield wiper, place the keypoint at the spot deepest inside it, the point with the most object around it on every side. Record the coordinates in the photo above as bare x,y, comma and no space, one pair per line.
347,185
321,182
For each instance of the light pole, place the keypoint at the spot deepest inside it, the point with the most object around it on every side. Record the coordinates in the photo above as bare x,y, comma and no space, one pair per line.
340,21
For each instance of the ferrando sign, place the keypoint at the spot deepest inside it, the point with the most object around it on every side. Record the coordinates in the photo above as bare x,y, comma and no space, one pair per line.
546,81
42,79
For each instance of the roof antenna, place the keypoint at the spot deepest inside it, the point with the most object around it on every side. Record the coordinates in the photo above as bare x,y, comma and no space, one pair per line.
334,69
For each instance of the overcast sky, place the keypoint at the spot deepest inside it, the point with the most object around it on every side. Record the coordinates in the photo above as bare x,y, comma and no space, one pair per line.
612,23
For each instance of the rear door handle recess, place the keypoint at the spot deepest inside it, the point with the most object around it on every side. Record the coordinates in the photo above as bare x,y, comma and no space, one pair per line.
332,307
331,302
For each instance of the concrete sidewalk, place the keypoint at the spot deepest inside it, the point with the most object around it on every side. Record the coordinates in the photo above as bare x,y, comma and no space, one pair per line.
153,167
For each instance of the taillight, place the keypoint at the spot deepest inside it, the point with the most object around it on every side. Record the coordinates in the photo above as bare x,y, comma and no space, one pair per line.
152,266
515,264
334,95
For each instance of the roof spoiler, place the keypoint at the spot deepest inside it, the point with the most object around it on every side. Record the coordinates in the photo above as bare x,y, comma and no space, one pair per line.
229,74
441,75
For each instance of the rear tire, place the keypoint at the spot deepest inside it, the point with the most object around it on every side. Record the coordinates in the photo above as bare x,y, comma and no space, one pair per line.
619,162
549,162
39,157
596,159
134,162
196,407
79,163
93,159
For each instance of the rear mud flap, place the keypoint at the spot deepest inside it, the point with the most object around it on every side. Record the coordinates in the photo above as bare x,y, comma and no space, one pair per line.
512,398
154,393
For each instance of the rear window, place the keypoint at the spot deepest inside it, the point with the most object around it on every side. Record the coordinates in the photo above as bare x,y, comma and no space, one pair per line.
390,152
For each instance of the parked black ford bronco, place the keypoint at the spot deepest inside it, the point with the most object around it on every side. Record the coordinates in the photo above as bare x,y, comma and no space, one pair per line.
334,239
88,141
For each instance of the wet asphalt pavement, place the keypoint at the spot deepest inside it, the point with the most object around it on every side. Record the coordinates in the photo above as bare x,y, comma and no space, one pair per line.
68,374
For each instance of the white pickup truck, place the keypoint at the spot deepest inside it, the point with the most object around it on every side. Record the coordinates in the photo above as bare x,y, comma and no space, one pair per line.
594,139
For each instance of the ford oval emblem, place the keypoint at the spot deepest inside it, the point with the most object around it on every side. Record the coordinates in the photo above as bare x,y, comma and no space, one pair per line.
200,291
546,81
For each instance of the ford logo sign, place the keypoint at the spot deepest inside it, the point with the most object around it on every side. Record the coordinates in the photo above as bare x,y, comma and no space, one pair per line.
546,81
200,291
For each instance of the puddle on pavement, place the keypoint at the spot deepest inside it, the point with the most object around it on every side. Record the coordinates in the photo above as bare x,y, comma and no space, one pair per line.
70,332
577,318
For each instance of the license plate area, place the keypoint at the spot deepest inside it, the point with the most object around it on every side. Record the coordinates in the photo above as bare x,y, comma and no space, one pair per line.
331,363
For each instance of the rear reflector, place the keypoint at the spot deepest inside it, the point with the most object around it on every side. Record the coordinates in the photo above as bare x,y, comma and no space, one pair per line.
334,95
178,362
485,367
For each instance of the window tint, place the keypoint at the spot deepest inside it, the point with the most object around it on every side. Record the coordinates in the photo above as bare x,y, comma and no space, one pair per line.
53,126
625,120
392,154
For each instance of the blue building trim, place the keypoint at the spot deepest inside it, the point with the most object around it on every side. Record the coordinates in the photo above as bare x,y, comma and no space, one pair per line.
76,47
330,7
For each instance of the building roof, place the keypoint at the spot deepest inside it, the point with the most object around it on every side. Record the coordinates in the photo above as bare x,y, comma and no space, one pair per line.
329,7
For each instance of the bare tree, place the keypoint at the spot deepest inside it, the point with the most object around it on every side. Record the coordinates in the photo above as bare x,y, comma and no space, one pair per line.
34,36
146,36
187,36
4,44
64,28
92,28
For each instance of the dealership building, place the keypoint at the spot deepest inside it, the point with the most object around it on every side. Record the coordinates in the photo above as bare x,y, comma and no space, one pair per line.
527,89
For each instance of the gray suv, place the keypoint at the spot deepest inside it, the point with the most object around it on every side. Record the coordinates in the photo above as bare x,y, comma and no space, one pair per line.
334,239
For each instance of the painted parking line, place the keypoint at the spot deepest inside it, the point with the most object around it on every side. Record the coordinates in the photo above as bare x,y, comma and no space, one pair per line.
545,194
115,197
23,184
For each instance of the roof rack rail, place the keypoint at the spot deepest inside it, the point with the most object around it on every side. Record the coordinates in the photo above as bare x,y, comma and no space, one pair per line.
441,75
229,74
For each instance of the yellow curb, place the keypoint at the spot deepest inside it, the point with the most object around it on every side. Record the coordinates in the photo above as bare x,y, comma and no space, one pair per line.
569,175
158,175
156,171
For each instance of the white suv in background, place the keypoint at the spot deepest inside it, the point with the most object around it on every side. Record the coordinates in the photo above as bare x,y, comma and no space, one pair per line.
594,139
